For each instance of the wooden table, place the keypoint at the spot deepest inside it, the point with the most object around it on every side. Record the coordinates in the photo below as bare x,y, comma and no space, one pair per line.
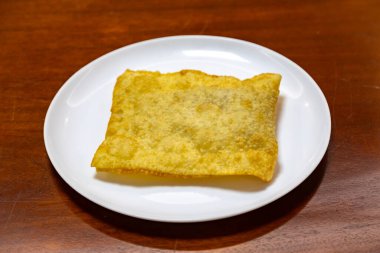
337,209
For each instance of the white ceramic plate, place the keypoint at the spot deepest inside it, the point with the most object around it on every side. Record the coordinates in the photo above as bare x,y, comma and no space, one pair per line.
77,118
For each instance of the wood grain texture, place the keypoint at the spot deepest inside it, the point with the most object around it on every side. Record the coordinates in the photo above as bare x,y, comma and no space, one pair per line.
337,209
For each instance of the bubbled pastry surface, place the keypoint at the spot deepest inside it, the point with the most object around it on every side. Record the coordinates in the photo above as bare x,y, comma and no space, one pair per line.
189,124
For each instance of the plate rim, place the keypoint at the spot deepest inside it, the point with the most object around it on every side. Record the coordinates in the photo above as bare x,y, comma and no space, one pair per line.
318,156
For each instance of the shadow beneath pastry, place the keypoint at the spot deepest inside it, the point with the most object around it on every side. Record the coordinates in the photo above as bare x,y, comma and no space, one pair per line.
236,183
196,236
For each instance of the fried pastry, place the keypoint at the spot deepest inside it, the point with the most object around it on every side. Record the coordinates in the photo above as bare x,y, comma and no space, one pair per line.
191,124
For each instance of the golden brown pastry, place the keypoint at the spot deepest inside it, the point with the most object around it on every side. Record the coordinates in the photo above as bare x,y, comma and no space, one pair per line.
191,124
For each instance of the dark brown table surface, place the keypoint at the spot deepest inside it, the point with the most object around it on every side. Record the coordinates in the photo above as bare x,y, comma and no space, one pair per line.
337,209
